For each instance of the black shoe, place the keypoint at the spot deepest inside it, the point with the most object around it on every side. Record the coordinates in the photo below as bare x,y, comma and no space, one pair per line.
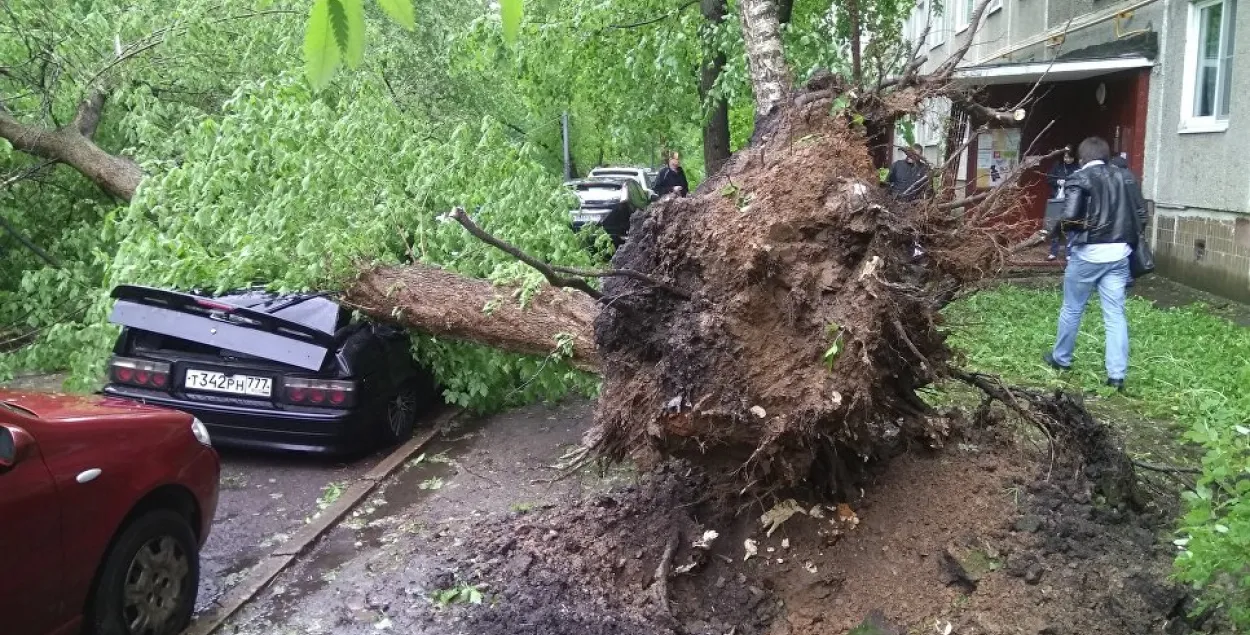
1118,384
1049,358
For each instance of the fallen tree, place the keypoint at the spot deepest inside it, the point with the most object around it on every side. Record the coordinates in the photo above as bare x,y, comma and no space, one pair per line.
779,321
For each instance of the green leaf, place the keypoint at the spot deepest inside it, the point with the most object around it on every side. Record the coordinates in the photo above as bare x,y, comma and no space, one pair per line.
355,11
321,55
510,13
338,24
400,12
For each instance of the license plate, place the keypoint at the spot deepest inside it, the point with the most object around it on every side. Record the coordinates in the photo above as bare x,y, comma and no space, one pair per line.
233,384
587,218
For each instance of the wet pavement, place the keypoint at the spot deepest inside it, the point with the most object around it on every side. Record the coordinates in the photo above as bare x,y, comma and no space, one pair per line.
264,499
381,567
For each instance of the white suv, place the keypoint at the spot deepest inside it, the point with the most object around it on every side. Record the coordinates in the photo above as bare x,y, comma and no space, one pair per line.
644,176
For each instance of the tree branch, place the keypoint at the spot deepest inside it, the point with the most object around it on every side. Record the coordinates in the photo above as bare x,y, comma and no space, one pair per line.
963,202
944,72
623,273
117,175
43,255
1166,469
552,277
649,21
87,118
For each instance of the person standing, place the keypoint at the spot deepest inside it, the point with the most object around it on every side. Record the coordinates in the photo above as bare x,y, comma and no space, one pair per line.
1056,177
909,177
671,178
1103,212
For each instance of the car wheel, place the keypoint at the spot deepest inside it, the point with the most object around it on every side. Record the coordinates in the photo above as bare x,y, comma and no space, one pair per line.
401,416
149,580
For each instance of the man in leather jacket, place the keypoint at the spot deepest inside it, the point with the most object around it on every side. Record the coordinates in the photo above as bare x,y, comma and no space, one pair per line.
1104,214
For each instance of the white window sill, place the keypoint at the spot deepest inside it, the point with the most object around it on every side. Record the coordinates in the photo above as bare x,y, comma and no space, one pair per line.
961,29
1203,126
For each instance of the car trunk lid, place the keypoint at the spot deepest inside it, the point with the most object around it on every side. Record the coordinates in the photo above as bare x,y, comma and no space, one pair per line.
294,330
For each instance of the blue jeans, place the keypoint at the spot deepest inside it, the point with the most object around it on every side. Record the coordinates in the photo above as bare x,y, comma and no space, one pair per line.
1079,281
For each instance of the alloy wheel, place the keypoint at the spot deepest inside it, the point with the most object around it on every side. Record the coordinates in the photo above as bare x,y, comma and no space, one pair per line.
153,588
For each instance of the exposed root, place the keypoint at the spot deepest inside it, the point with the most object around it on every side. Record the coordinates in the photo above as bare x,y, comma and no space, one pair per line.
1077,440
662,572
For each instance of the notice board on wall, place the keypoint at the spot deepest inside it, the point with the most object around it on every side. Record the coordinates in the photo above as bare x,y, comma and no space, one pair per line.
998,153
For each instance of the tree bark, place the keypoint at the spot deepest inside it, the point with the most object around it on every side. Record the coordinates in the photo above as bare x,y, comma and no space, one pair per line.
785,11
761,32
857,55
446,304
72,145
716,126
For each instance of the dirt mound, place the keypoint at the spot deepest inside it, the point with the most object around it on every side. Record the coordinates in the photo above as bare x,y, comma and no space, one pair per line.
977,537
812,319
593,568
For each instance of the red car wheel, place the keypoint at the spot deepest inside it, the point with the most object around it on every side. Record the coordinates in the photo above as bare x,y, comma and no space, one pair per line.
150,578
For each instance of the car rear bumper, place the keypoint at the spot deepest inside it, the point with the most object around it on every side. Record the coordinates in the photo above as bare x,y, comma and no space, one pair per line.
258,428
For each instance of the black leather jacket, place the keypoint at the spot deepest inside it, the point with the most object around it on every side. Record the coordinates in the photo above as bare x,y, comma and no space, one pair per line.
1103,204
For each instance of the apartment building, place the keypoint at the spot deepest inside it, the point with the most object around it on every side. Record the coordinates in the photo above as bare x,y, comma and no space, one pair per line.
1166,82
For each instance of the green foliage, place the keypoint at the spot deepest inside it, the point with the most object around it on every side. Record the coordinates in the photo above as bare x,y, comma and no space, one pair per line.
462,593
250,206
400,12
1187,366
834,333
336,30
510,18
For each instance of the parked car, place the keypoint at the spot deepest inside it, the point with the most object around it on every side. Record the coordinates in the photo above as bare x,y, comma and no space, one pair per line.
609,203
104,505
645,177
269,371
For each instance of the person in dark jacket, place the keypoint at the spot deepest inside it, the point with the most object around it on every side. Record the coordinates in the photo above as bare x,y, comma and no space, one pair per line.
671,178
909,177
1104,212
1058,174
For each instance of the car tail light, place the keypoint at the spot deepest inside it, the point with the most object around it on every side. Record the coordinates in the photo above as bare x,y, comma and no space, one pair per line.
139,372
319,392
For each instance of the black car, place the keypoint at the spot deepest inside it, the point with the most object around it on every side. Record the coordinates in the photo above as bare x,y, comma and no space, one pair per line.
268,371
608,202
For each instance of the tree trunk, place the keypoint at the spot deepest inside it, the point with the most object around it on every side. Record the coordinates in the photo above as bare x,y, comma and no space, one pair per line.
785,11
716,126
72,146
446,304
857,56
761,32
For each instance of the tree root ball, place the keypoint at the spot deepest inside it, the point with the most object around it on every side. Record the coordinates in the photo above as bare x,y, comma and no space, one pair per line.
812,318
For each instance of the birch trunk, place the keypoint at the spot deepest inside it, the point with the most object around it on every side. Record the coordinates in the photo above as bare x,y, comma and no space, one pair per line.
761,31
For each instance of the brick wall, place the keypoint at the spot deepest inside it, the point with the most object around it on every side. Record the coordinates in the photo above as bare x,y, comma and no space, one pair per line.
1210,251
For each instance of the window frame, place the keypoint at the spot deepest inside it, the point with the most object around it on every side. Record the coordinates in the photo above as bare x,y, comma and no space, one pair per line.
1191,122
963,14
937,34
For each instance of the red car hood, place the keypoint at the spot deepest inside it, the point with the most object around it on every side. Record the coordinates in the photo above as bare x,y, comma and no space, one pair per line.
60,407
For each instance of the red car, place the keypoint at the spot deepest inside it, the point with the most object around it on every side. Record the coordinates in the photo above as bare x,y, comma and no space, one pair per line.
104,505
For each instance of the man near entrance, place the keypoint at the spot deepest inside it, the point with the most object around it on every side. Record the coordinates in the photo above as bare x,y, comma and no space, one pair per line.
909,177
1103,209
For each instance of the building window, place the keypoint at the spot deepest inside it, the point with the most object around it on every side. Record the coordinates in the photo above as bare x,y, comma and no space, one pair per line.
937,20
1209,65
963,13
